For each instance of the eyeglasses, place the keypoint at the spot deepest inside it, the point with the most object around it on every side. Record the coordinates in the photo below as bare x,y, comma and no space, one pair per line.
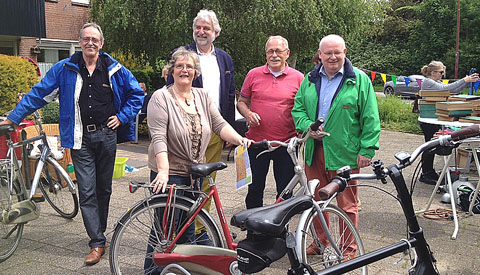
277,51
441,72
182,67
88,39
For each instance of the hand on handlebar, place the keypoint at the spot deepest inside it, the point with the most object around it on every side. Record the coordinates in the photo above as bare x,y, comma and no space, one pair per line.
319,133
8,122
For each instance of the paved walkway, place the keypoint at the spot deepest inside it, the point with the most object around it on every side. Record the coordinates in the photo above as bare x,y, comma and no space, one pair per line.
53,245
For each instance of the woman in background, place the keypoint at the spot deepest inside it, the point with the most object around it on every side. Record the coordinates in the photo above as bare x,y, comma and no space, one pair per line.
433,73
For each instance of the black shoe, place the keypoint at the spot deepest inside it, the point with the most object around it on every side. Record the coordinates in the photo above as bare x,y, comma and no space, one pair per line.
429,178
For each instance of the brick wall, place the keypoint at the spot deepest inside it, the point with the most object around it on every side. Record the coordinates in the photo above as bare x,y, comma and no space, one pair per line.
63,20
25,45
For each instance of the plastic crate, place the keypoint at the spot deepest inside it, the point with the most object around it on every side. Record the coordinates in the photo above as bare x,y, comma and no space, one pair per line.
119,170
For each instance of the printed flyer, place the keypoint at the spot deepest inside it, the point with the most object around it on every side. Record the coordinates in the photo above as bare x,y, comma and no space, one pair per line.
242,167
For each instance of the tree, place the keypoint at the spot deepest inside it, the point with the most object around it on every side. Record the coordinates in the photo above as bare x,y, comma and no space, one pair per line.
155,27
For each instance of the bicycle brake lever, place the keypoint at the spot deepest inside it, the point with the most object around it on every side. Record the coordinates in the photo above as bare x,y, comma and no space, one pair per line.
270,149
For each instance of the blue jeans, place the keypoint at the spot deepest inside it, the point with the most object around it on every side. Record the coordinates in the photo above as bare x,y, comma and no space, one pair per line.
187,237
94,163
282,171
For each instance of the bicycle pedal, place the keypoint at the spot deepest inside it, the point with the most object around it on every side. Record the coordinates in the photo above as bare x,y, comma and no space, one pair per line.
38,198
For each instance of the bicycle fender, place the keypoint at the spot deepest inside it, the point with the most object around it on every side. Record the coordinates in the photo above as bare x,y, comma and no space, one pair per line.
298,234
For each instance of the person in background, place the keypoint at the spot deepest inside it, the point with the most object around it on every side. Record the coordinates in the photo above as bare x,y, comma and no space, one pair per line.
344,96
266,101
99,98
165,73
216,79
315,59
433,73
181,120
143,111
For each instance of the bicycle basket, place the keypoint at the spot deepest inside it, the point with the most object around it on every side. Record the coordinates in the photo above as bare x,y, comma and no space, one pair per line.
255,255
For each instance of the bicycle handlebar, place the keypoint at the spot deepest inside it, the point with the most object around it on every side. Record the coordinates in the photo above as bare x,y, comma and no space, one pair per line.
339,183
271,145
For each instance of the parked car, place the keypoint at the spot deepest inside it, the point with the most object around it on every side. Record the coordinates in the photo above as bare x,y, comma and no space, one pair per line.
401,89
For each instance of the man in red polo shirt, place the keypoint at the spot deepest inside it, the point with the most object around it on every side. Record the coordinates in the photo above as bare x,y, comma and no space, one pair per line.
270,90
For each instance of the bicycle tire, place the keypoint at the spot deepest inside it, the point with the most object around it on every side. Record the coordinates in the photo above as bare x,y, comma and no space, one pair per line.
10,234
132,235
60,197
325,255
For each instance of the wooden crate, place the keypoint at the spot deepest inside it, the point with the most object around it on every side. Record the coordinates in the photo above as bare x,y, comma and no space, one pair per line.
50,130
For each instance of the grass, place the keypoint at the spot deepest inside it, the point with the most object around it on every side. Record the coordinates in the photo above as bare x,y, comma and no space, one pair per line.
396,114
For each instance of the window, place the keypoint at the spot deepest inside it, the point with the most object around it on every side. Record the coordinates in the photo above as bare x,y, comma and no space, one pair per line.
81,2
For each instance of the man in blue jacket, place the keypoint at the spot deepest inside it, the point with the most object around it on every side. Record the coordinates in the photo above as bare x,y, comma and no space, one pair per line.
98,100
217,78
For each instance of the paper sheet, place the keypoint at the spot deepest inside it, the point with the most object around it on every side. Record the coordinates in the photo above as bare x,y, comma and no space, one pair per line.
242,167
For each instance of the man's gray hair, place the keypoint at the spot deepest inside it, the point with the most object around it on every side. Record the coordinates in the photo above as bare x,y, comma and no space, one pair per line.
181,53
332,37
88,25
285,42
208,16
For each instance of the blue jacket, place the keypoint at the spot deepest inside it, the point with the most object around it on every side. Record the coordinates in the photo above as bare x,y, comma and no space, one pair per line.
227,83
64,80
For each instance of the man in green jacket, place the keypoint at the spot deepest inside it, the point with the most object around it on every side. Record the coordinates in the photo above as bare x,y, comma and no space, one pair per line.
344,97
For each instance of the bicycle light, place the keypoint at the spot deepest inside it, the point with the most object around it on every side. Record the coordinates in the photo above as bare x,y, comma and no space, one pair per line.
133,186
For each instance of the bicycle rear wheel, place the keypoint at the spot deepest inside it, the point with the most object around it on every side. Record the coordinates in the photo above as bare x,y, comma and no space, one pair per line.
54,187
10,234
316,250
141,226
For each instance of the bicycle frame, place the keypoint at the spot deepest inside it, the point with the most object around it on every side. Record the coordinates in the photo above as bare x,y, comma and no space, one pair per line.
41,162
417,239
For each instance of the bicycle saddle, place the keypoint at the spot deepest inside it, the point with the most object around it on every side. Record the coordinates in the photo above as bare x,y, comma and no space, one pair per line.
203,170
272,219
5,129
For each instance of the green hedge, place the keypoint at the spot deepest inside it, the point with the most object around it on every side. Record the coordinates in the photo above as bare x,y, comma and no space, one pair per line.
396,114
51,113
152,79
17,75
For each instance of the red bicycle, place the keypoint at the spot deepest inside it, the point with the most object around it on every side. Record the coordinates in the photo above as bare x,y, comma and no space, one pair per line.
159,222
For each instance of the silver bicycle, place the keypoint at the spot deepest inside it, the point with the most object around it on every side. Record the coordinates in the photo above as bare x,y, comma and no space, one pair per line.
17,206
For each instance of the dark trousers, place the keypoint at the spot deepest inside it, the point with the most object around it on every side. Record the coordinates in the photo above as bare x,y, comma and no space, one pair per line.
94,164
427,157
187,237
282,171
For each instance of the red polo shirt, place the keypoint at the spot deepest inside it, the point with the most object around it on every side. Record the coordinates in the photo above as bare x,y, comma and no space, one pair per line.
272,98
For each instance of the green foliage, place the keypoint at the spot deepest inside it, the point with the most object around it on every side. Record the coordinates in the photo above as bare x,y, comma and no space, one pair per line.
18,75
159,26
414,32
51,113
396,114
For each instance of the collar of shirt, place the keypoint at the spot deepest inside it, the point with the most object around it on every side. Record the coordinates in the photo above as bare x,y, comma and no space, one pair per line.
100,66
267,70
212,52
323,73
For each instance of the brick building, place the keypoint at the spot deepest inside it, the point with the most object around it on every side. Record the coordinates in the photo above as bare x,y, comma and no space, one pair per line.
45,30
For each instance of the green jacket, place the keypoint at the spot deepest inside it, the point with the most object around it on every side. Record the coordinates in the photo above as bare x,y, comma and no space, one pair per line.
352,121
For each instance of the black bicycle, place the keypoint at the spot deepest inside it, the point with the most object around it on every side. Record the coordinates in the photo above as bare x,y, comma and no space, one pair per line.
275,239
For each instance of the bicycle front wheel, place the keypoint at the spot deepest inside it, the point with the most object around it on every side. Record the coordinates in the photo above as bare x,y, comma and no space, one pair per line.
10,234
54,187
139,234
318,252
